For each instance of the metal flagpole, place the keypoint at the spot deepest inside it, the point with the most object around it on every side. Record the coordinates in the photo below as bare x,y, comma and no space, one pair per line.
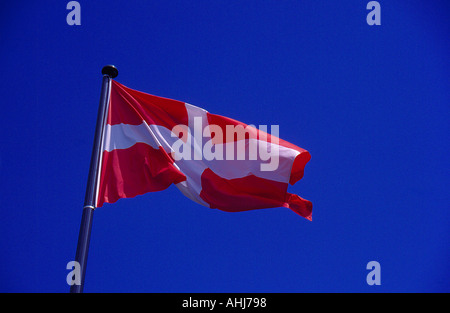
109,72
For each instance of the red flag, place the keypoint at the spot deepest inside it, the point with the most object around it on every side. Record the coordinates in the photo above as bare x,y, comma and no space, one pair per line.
151,142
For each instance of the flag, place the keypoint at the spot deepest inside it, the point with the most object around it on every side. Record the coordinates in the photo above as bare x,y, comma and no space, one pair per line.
151,142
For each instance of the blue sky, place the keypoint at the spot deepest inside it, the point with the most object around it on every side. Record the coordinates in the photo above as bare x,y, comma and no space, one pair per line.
370,103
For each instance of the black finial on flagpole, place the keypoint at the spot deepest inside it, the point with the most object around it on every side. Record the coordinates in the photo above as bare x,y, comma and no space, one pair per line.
110,70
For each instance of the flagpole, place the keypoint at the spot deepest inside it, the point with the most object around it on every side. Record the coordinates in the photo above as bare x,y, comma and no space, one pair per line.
109,72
